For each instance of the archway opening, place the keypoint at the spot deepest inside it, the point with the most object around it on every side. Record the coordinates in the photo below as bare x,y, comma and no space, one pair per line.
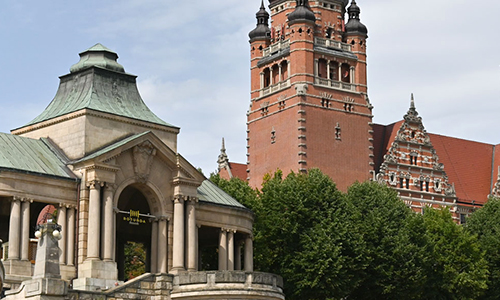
133,234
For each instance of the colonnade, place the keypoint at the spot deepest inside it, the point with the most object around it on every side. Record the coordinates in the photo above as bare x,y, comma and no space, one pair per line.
230,251
329,71
271,74
19,231
185,235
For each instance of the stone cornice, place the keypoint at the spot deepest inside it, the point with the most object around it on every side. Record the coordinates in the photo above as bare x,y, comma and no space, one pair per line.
95,113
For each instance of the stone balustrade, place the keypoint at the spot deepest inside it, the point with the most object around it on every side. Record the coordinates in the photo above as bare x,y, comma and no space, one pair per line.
322,42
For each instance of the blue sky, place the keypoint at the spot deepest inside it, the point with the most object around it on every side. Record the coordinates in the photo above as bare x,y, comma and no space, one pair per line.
192,59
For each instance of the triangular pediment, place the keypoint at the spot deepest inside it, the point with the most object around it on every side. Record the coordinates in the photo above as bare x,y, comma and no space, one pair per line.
145,147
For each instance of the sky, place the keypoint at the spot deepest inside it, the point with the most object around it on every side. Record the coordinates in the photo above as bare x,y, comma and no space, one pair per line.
192,62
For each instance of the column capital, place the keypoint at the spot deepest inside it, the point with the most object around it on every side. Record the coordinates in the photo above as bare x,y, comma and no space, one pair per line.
22,199
94,184
109,186
192,200
178,199
163,218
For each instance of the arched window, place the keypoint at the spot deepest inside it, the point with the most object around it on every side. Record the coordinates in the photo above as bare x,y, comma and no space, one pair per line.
345,73
322,68
267,77
275,74
284,70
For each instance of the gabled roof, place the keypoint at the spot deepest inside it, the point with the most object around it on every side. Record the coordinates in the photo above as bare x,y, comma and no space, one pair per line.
210,193
111,147
98,82
33,156
468,165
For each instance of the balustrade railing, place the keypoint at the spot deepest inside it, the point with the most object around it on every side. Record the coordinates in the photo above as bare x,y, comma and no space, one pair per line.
275,87
335,84
332,44
275,47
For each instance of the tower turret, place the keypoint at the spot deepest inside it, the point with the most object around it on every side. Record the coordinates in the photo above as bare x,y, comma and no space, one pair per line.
302,12
354,25
309,105
356,34
261,31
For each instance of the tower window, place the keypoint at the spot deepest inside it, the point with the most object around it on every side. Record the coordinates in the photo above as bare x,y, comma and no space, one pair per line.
348,107
338,132
325,103
401,182
421,185
407,183
273,136
427,186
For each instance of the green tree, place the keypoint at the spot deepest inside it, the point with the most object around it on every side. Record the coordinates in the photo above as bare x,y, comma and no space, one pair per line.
457,268
485,222
393,254
238,189
301,234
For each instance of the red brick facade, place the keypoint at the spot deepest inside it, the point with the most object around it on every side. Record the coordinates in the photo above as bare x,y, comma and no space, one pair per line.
309,97
310,109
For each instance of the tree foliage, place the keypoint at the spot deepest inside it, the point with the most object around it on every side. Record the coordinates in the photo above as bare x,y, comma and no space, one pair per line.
486,224
363,244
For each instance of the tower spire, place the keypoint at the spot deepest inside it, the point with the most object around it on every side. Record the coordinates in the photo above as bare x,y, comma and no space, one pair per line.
262,30
223,160
354,25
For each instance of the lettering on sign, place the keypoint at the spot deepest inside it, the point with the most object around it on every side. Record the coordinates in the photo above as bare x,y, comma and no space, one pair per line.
134,218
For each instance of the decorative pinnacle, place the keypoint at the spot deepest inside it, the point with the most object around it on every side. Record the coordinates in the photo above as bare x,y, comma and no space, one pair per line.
412,104
223,143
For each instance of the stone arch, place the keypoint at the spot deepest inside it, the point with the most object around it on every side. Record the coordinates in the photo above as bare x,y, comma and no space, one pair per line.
152,193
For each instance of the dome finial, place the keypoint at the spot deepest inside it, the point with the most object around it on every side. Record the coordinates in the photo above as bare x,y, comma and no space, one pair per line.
302,12
354,24
262,30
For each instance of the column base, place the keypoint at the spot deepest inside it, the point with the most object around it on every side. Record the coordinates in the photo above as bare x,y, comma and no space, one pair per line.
176,270
96,275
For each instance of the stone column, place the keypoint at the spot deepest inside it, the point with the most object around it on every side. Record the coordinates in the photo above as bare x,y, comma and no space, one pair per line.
237,256
280,77
288,69
352,75
154,245
178,243
316,68
271,81
192,243
70,253
162,245
25,231
94,234
61,220
328,69
261,80
223,250
109,225
230,250
14,229
249,254
340,72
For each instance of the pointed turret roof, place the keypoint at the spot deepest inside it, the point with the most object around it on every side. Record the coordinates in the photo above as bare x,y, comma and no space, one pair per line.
302,12
354,25
98,82
262,30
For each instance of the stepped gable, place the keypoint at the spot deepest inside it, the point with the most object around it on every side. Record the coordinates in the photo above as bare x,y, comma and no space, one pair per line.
412,167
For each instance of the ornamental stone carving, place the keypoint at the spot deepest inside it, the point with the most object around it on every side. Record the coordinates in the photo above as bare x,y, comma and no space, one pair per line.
142,160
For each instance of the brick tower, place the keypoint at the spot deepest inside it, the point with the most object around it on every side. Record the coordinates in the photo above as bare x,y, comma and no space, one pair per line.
309,104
